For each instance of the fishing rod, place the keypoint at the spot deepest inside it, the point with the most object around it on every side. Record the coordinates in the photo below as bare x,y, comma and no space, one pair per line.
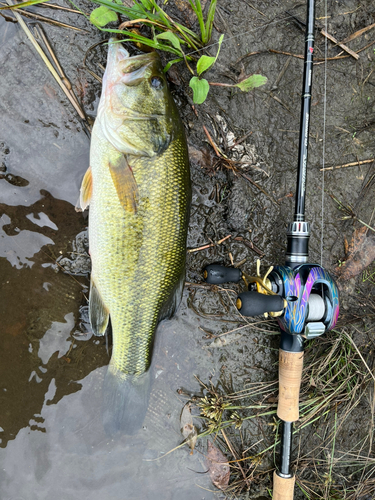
303,297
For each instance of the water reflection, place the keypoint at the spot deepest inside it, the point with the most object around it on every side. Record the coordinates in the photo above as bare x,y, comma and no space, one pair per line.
39,310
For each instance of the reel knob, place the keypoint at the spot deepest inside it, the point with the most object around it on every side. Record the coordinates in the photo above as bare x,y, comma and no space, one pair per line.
215,274
255,304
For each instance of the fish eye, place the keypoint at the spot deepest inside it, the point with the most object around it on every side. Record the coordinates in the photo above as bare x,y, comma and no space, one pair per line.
157,82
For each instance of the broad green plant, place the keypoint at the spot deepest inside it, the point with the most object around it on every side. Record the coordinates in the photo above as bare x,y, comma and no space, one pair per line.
167,35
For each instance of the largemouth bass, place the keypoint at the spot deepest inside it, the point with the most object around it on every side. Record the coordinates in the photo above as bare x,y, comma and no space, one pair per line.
138,188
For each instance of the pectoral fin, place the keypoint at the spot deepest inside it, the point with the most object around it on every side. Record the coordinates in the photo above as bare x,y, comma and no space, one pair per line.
125,184
98,312
86,190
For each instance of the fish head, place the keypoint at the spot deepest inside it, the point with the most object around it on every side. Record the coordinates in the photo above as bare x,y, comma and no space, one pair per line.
136,110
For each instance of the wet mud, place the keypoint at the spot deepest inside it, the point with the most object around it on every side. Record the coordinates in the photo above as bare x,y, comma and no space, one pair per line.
51,367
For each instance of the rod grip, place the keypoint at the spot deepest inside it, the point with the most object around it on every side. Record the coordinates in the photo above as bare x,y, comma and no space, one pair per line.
283,487
290,374
215,274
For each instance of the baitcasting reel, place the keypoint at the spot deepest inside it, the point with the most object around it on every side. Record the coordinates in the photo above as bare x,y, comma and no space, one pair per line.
305,300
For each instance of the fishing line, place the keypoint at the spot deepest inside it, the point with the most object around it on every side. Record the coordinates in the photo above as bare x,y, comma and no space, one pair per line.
324,127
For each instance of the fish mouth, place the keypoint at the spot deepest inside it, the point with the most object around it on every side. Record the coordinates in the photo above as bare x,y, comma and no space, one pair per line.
132,68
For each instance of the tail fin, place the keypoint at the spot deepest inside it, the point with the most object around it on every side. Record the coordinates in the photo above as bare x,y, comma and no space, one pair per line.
125,401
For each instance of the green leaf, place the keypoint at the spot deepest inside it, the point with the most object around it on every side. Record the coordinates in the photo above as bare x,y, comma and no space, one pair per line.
251,82
102,16
200,89
23,4
205,62
171,37
210,21
170,63
147,4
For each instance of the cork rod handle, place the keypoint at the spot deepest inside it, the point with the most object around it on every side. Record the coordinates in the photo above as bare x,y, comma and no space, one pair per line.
283,488
290,374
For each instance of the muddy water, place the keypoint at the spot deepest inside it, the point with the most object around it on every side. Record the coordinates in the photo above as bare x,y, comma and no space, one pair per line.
51,368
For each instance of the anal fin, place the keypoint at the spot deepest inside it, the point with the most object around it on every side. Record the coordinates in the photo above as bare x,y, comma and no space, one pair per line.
125,183
98,313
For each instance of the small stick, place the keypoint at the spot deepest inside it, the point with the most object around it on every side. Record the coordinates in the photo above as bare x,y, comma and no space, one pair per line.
344,47
249,54
64,78
359,33
48,20
235,457
53,6
191,250
274,51
212,142
289,195
46,61
353,164
8,19
250,245
281,74
241,139
259,12
260,188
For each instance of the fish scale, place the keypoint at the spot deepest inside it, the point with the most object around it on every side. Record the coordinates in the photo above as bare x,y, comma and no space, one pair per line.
139,193
134,280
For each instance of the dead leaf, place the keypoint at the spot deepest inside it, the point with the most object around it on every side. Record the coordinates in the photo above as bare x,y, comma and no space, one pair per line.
218,467
201,157
188,430
361,253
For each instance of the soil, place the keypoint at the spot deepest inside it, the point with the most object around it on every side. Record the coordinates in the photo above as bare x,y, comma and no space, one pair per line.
51,369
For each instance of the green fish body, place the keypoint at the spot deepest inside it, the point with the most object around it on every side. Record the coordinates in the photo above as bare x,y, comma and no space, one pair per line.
138,188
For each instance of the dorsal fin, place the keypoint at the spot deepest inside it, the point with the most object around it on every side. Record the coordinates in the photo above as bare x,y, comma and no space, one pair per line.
125,183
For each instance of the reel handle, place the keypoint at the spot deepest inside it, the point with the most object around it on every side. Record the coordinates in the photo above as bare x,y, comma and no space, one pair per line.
255,304
216,274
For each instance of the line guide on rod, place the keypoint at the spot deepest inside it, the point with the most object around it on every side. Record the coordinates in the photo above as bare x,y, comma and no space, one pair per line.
303,297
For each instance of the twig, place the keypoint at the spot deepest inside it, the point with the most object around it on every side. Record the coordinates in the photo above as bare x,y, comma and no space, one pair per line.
344,47
281,74
53,6
260,188
250,245
353,164
46,61
47,20
220,155
274,51
249,54
359,33
64,78
209,245
235,457
84,60
259,12
241,139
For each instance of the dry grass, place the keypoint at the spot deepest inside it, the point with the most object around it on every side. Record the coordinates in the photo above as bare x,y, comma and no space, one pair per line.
333,442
